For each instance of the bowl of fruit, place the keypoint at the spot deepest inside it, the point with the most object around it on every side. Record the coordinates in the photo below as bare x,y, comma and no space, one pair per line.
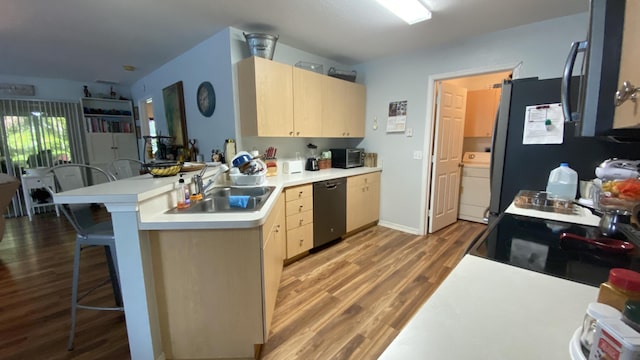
620,194
165,168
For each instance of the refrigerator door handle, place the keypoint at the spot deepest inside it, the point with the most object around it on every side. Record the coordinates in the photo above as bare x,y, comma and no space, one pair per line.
565,96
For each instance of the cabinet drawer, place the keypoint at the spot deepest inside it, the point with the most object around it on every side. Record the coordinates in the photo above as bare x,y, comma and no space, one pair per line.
298,192
363,180
299,206
299,240
300,219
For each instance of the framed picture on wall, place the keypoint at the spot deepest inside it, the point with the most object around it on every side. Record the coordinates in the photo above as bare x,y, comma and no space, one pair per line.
173,97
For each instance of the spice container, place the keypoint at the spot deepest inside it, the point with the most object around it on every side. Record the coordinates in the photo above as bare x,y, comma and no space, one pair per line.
595,312
615,340
631,314
623,285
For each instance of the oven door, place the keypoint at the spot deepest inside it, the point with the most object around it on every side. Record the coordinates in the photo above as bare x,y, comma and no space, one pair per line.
355,158
534,244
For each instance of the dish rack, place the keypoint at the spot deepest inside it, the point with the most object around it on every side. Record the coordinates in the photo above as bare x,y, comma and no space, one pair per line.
248,180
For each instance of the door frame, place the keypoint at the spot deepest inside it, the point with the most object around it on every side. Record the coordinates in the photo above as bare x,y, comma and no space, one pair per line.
430,130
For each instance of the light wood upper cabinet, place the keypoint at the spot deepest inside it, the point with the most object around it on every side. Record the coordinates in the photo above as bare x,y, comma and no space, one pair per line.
363,200
482,106
343,112
628,113
280,100
265,89
307,103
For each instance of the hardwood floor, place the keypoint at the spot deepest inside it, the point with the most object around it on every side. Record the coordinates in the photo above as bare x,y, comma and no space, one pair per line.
348,301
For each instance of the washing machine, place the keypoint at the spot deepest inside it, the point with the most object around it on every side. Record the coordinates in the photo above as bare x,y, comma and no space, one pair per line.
474,186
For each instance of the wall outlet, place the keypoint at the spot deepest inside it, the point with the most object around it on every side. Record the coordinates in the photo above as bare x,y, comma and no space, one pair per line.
417,155
409,132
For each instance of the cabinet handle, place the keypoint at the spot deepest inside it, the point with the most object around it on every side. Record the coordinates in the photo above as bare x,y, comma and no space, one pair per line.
301,242
291,133
300,194
301,221
300,209
298,133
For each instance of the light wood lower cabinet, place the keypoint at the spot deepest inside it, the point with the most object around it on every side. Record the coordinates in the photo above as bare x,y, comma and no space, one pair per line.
299,212
216,289
363,200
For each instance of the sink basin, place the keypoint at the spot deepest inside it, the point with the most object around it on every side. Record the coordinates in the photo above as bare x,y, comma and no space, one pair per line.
222,200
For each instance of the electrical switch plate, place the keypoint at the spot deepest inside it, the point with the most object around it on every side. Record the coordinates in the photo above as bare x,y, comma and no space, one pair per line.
409,132
417,155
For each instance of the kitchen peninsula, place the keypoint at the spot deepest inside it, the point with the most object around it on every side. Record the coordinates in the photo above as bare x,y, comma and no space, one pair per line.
153,246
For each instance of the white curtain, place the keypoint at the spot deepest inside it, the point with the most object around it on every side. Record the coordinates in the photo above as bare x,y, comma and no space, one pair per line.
37,133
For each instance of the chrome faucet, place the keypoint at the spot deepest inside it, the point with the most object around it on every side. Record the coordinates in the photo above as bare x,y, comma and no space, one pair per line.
201,188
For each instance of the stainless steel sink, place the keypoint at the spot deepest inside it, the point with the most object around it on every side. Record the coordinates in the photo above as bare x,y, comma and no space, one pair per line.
226,199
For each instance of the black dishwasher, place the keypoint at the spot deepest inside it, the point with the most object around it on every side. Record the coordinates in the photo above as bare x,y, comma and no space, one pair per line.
329,210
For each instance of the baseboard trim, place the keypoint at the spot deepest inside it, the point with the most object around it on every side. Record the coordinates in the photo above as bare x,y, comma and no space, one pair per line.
399,227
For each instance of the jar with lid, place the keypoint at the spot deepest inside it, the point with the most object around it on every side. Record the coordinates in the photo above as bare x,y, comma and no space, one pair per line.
595,312
622,285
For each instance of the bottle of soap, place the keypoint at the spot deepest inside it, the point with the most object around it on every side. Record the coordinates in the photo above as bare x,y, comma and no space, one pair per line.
182,194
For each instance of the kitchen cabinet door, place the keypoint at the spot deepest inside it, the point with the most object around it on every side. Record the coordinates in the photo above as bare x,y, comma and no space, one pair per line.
627,114
363,200
265,89
273,259
356,98
343,110
307,103
480,116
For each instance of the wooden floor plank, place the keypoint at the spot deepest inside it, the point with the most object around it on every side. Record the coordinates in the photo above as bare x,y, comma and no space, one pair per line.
348,301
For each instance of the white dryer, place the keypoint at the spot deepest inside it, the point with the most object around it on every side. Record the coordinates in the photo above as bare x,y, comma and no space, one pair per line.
474,186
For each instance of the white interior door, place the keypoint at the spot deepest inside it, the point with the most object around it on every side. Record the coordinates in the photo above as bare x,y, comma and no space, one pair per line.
447,156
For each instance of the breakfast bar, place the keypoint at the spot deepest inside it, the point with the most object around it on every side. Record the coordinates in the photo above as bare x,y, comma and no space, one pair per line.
152,244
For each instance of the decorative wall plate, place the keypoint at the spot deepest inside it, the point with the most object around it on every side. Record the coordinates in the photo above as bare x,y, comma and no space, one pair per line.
206,98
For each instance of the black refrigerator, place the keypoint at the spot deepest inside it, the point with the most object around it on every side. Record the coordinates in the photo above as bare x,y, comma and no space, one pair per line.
516,167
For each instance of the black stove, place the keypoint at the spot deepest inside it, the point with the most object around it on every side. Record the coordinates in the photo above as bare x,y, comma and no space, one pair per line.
535,244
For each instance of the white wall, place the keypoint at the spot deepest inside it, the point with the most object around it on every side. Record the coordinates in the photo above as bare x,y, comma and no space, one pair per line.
60,89
207,61
541,47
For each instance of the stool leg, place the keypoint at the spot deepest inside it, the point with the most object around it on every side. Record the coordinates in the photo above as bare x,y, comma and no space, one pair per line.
74,293
112,262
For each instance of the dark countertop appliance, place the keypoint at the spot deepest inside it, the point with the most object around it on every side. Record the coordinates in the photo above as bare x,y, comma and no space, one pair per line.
347,158
329,210
535,244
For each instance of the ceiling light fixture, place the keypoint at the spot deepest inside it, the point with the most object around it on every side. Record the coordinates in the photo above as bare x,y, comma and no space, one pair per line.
411,11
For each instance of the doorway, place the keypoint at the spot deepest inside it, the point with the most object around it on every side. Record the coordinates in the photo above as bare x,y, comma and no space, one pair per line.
482,98
148,128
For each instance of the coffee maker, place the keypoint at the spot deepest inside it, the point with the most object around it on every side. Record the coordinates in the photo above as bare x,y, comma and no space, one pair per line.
312,160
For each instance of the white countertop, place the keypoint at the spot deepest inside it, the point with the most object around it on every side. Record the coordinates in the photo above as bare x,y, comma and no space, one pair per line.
582,216
144,187
489,310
